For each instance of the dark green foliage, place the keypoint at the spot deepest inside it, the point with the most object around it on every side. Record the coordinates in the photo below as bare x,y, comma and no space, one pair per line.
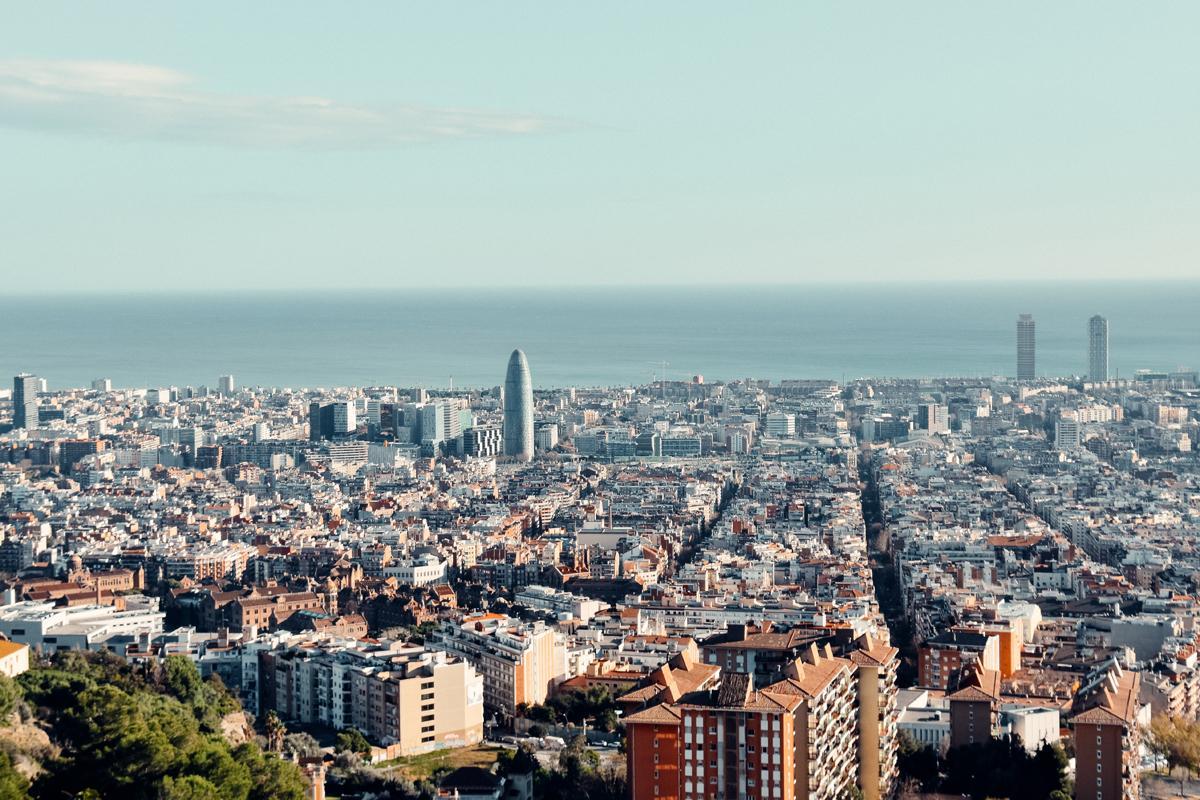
579,777
145,734
597,706
10,697
1003,768
351,740
517,762
917,763
13,785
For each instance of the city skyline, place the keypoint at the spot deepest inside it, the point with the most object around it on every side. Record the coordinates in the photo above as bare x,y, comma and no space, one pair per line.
846,443
587,152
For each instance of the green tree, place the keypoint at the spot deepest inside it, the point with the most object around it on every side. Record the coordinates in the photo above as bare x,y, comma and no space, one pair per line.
275,730
213,762
13,785
577,759
10,698
274,779
124,736
351,740
302,744
189,787
916,762
1177,741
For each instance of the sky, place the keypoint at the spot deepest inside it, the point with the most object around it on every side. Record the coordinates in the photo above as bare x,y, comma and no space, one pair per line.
233,146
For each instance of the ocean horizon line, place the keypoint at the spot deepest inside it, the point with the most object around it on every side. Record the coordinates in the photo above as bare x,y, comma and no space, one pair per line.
698,288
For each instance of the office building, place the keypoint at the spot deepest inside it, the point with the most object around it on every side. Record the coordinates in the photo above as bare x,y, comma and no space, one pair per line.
933,417
227,385
433,424
314,421
482,442
780,425
518,409
1026,348
331,421
24,398
345,420
102,385
545,437
1097,349
48,627
1067,434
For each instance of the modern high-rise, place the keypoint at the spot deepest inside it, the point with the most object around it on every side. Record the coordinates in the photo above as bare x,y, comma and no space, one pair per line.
332,420
25,405
518,409
933,417
781,425
1097,349
1026,348
228,385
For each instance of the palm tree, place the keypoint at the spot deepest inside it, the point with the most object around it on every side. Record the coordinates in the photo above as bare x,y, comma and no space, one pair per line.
275,730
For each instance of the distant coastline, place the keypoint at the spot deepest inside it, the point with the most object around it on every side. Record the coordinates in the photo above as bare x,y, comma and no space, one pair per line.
594,336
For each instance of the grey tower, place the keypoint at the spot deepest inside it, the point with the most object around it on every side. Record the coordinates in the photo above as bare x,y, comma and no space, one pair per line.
1026,348
518,408
1097,349
25,404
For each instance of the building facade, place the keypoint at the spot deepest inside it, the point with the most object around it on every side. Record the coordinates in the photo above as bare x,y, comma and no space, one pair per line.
1098,349
1026,348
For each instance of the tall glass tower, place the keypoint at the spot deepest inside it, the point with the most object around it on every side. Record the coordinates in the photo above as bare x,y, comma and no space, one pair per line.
1026,348
518,408
1097,349
25,404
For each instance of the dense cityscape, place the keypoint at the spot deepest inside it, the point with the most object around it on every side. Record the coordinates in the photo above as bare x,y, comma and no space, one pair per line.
685,589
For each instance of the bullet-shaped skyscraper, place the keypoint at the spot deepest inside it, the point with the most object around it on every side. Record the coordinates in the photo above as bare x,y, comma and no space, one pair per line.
518,408
1098,349
1026,348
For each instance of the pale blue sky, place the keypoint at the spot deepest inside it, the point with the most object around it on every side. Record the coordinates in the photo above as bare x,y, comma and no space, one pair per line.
168,145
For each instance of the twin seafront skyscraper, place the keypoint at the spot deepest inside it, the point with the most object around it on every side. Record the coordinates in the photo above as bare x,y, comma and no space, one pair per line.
1097,348
518,409
1026,348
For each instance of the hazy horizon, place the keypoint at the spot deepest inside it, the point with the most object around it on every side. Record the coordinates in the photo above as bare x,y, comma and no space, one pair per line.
592,337
728,286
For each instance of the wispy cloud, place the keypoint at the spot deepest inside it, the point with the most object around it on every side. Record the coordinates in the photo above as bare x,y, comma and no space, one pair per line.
141,101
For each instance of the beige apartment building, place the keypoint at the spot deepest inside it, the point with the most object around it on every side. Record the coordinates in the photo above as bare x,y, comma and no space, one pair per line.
400,695
519,662
420,705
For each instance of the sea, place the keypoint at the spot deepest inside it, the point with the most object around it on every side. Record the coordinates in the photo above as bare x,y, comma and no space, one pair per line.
587,337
